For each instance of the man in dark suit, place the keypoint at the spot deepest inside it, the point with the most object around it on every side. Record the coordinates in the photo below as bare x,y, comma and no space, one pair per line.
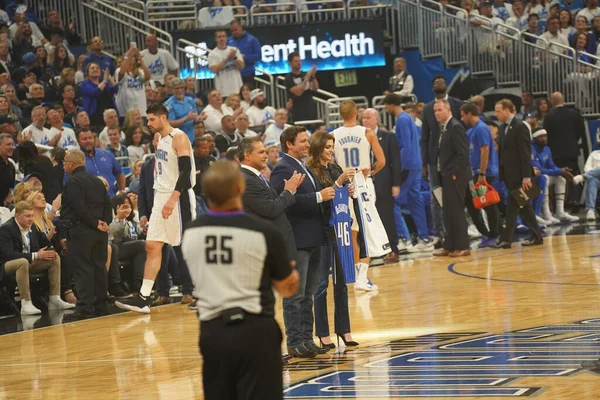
308,225
260,198
516,171
565,127
429,145
24,249
387,181
452,164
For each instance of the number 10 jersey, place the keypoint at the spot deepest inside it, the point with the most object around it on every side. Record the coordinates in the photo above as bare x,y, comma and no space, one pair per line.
352,149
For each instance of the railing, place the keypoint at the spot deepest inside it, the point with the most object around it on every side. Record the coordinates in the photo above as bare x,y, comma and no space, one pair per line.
273,14
384,117
322,11
408,13
67,9
320,96
430,16
118,29
170,15
389,13
333,117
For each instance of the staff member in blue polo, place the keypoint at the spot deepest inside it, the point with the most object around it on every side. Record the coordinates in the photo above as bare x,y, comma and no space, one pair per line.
182,109
100,162
248,45
484,163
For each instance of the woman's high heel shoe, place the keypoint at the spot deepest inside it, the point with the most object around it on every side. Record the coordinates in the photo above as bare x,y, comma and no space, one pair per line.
349,343
327,346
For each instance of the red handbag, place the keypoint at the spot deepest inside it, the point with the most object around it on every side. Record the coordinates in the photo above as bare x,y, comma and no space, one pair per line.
490,197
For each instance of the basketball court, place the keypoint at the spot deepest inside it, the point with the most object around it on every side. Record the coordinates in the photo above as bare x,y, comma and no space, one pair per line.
501,323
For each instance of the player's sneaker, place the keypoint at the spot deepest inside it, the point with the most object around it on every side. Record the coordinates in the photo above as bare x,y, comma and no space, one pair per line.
567,217
542,221
590,215
423,246
365,287
137,303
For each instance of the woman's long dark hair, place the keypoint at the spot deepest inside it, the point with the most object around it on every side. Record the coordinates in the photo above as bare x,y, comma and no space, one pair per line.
27,155
318,141
118,201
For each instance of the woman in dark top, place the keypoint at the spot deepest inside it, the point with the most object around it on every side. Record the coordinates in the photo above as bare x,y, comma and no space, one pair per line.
31,162
57,156
321,163
97,95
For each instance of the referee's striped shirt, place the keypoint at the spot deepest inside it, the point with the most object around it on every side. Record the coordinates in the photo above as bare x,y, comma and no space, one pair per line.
233,258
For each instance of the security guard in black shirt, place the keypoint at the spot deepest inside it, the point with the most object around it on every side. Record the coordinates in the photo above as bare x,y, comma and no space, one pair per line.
236,261
86,215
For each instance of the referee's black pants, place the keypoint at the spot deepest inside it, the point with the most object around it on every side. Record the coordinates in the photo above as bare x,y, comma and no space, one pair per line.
88,250
242,361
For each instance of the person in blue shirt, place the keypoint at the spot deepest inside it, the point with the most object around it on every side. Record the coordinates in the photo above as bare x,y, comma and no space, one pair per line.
96,56
410,196
100,162
182,109
573,6
543,164
484,164
248,46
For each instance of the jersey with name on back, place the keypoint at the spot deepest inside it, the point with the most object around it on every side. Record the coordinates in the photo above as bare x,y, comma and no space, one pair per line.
342,222
166,167
377,242
352,149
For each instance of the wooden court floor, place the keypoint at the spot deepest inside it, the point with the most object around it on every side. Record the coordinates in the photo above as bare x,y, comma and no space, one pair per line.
502,323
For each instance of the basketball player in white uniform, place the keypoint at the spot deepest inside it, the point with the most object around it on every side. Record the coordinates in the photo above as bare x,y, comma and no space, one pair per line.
174,200
353,146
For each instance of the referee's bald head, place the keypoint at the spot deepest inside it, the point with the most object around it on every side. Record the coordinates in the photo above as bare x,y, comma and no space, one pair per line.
223,185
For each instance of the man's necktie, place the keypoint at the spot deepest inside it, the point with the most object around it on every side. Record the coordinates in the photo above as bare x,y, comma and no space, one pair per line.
262,178
442,130
309,175
28,244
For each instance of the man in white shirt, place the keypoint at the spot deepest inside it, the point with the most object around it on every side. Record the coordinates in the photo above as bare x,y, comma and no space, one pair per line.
20,18
552,35
111,120
519,18
590,11
226,62
259,113
241,126
67,139
159,61
215,111
36,131
273,132
591,175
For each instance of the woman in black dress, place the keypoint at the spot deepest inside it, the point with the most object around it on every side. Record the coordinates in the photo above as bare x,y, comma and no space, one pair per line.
321,163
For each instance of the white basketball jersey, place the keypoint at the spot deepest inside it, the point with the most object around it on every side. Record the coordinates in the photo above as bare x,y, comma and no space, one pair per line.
166,167
377,243
352,150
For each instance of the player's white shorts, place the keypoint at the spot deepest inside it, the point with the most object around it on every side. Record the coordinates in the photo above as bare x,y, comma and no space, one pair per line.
170,231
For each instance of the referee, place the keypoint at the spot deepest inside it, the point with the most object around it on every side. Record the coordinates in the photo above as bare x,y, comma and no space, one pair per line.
235,261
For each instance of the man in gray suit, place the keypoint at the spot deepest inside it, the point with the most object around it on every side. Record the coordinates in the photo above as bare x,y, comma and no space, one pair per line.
260,198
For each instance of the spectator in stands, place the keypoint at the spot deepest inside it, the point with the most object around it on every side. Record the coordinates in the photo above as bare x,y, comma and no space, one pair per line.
56,23
36,132
36,165
24,41
248,45
226,62
111,121
227,137
590,11
581,26
6,65
519,18
429,146
97,95
133,141
565,127
82,120
259,113
233,101
60,60
491,20
203,161
125,233
401,82
273,131
245,91
591,175
67,93
131,77
540,8
79,75
502,10
23,249
97,57
36,98
134,118
542,109
552,35
215,111
6,109
527,109
116,148
566,23
241,126
199,129
167,84
581,48
182,110
100,162
133,180
159,61
300,87
66,136
7,168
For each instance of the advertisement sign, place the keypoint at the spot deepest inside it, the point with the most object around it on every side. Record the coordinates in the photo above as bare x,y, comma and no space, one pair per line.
329,46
